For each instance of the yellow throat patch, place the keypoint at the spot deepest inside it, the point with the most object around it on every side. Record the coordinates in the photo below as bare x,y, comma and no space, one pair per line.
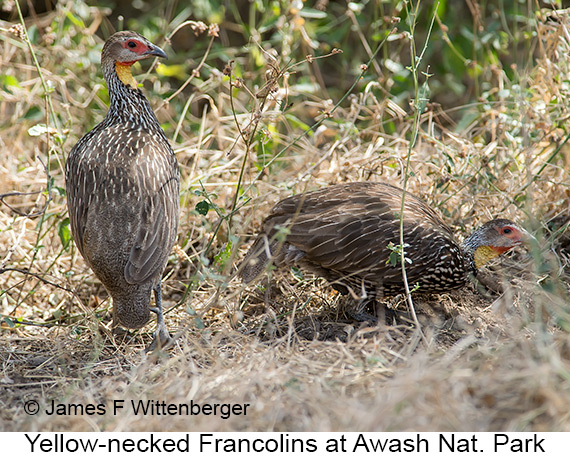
484,254
125,75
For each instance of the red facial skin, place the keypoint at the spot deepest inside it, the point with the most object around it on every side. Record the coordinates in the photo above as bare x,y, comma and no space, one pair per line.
135,46
511,233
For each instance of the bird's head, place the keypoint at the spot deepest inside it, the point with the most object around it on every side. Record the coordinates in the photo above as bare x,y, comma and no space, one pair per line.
493,239
125,48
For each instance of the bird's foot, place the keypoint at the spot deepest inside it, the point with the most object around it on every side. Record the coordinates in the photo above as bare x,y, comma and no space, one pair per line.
161,340
162,337
362,316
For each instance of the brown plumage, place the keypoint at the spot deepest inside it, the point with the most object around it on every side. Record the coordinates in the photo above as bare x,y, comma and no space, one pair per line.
122,184
342,233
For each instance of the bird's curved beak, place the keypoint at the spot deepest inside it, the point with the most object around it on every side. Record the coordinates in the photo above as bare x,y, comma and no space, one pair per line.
527,239
155,50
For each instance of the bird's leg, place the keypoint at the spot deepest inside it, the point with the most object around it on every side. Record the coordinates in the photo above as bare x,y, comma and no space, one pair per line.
161,335
356,308
362,316
384,313
394,316
359,312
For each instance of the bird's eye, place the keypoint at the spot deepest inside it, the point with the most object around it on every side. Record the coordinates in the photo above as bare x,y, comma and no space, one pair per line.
507,231
132,44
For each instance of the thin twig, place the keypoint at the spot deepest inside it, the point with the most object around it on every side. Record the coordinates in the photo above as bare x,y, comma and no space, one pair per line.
37,276
195,72
32,214
53,114
415,60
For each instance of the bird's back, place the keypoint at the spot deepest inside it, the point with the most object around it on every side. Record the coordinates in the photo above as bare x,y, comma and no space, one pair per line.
342,232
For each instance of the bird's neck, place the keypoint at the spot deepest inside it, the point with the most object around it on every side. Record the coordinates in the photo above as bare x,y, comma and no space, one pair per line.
127,104
123,71
478,254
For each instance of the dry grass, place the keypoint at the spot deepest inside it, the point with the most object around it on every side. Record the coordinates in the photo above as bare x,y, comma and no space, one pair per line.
493,361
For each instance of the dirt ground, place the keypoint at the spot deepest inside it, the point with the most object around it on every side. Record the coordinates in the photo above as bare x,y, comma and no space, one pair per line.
483,363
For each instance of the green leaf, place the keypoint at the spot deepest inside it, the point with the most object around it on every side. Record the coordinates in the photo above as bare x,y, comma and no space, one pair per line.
75,20
298,123
203,207
9,322
396,252
312,13
64,233
423,97
394,258
224,255
59,190
34,113
172,71
8,82
191,311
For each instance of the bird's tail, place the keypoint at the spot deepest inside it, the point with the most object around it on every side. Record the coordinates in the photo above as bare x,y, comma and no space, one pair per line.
133,310
256,259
